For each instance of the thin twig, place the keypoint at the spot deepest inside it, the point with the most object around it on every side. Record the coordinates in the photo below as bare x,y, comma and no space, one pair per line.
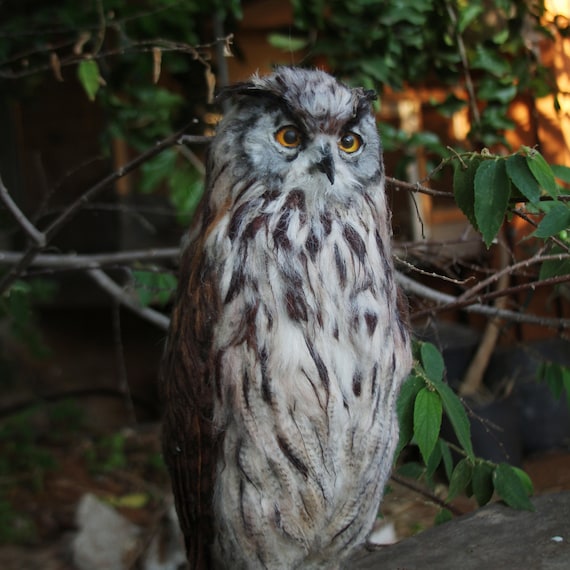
416,187
426,493
30,230
92,261
119,294
67,214
447,302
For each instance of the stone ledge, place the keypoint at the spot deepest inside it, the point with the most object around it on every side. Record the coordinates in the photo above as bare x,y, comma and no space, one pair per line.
494,537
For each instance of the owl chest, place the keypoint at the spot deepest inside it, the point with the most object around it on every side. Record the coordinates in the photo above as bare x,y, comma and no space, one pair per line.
317,273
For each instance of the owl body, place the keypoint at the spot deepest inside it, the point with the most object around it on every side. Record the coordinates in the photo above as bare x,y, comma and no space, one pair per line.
287,349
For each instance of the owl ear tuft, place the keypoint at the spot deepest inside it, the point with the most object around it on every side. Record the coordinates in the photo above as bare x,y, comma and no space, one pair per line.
240,90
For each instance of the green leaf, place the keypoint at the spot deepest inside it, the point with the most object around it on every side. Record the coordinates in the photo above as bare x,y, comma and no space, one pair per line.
464,186
186,189
287,43
427,421
89,77
482,481
405,408
521,176
541,171
525,480
412,469
157,170
555,267
467,15
555,220
511,488
492,192
552,374
457,416
561,172
443,516
432,361
490,90
566,382
153,287
434,459
489,60
460,478
447,458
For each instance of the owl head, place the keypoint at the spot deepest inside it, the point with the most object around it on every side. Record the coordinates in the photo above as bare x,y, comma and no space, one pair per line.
299,126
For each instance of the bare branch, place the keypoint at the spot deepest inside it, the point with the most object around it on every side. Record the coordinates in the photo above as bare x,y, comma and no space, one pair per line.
416,187
510,269
446,302
67,214
92,261
31,231
120,295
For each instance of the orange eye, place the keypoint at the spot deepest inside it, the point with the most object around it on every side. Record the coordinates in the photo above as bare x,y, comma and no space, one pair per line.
349,142
289,136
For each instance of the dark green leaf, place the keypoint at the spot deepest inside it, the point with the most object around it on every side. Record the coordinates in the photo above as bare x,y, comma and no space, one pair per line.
542,172
561,172
555,220
450,106
555,267
447,458
468,15
489,60
413,470
492,193
464,186
89,77
521,176
405,407
157,170
443,516
287,43
525,480
482,481
511,488
551,373
186,189
432,361
490,90
427,421
153,287
434,459
565,370
457,416
460,478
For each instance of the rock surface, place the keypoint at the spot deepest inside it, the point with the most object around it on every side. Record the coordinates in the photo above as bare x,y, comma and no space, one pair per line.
492,537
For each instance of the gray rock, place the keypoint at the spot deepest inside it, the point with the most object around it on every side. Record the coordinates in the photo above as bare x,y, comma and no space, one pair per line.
493,537
105,539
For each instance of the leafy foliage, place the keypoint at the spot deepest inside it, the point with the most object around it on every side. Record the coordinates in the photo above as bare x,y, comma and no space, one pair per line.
386,43
423,399
486,186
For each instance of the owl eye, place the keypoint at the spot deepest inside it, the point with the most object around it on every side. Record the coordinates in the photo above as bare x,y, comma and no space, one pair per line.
349,142
289,136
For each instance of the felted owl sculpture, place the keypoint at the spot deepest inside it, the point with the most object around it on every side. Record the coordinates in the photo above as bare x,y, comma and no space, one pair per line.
287,348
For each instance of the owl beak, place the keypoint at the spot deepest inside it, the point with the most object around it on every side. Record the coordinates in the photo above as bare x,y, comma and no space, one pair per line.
326,163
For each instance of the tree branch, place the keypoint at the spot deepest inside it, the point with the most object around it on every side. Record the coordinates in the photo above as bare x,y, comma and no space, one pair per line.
447,302
93,261
119,294
30,230
68,213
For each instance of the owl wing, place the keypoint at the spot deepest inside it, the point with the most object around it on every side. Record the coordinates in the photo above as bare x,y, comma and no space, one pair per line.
189,443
